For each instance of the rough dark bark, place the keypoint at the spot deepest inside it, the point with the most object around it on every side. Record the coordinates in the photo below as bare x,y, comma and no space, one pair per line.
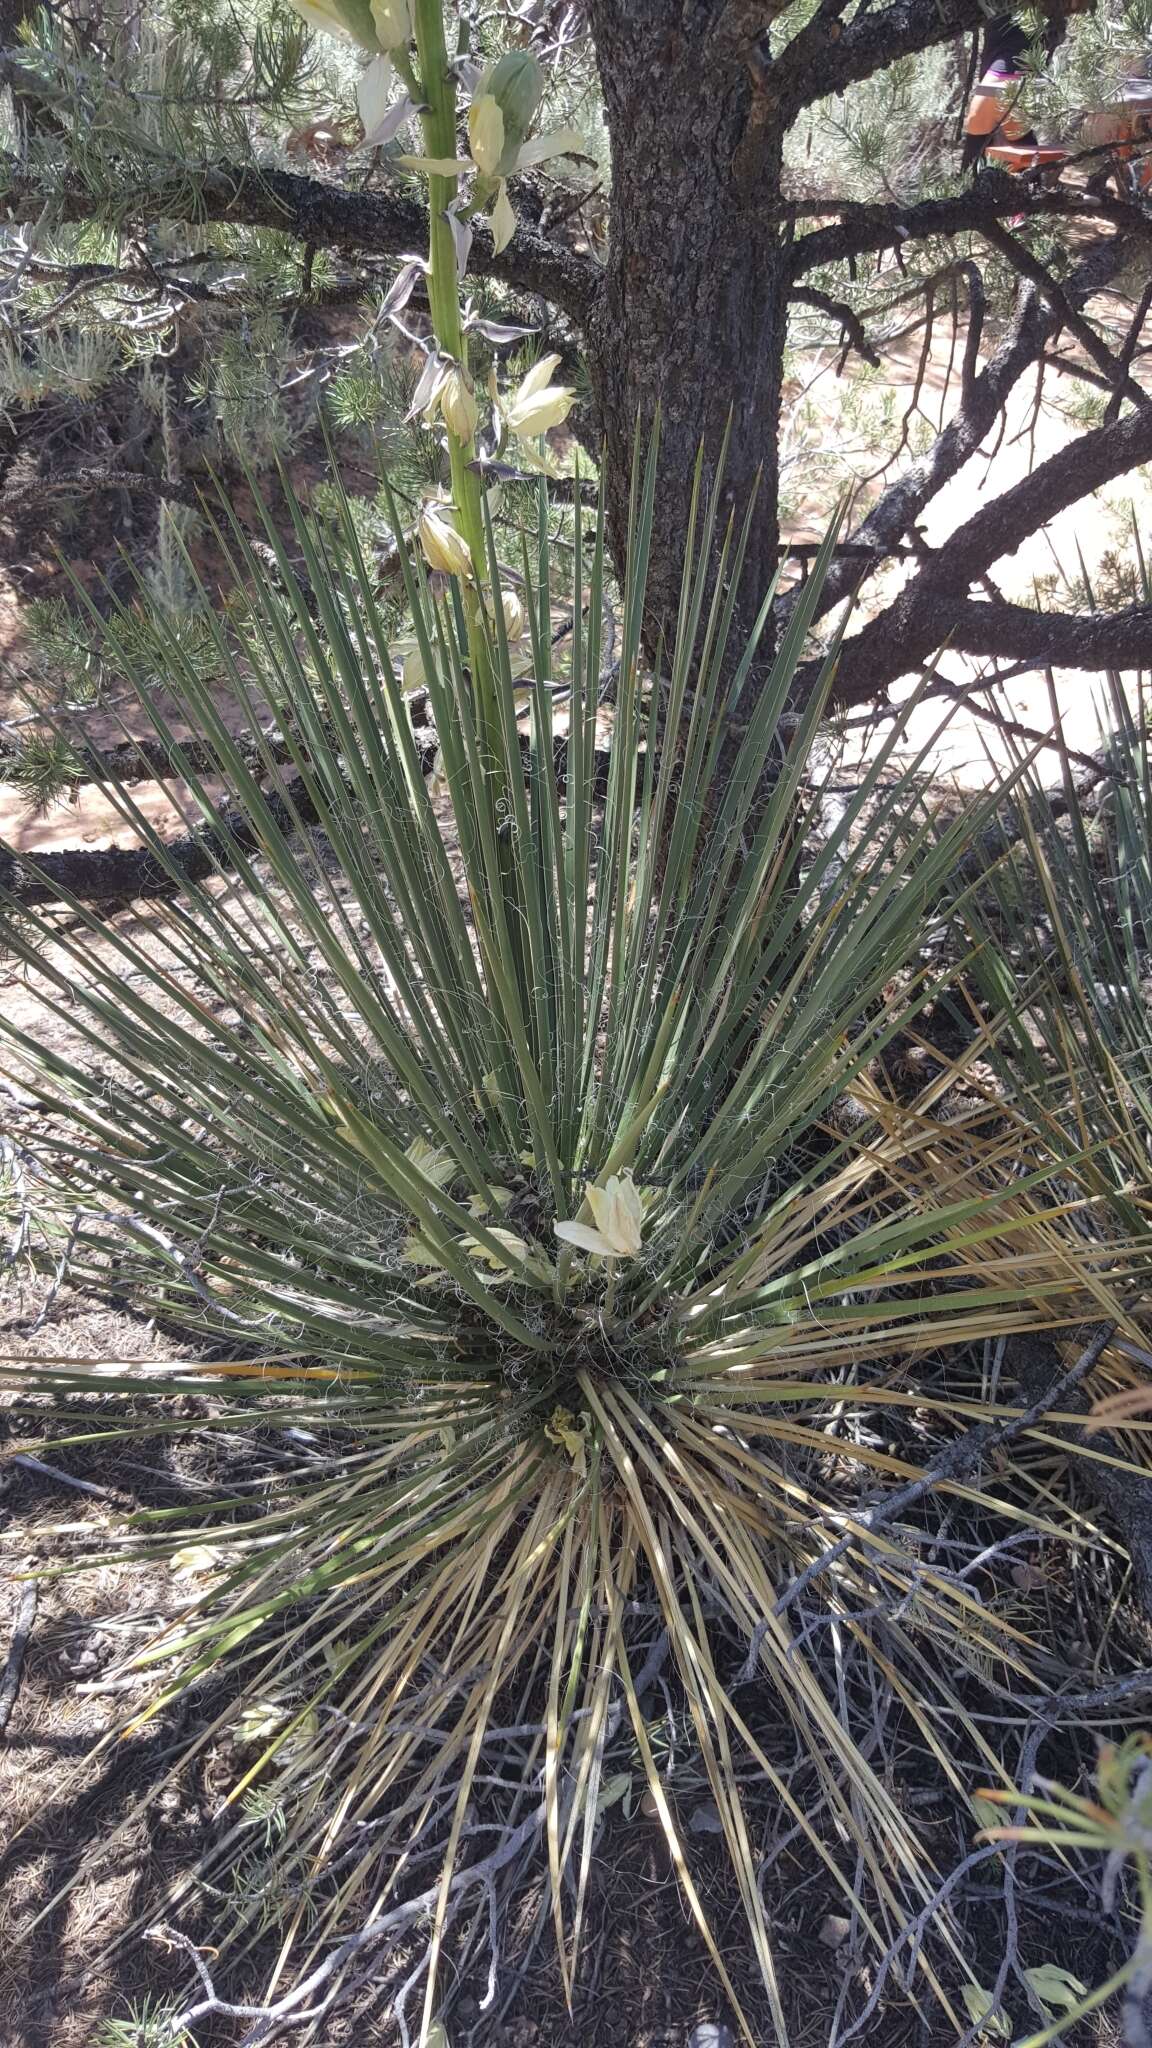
693,312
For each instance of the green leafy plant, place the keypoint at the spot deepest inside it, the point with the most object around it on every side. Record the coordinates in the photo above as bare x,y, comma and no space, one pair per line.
486,1122
148,2023
1117,1826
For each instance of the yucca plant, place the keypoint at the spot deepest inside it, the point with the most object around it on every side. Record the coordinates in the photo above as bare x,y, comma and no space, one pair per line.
488,1123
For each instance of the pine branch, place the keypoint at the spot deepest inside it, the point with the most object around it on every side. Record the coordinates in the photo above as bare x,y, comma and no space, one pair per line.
935,608
308,210
984,397
1087,640
836,309
864,229
95,479
955,1464
1021,258
813,65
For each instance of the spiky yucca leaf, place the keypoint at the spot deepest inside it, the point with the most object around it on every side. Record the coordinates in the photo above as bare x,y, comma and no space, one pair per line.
1071,954
1063,956
330,1108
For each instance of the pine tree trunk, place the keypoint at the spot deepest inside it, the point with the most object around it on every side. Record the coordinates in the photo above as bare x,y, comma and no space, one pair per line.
694,310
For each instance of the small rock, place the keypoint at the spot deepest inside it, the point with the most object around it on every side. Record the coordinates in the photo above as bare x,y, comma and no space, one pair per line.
1029,1578
711,2034
705,1820
834,1930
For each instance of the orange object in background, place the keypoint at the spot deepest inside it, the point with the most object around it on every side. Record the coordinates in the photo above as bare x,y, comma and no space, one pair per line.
1124,129
1025,156
991,109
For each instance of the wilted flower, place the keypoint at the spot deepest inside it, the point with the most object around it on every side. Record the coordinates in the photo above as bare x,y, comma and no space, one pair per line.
618,1208
563,1430
514,1253
411,661
437,783
416,1251
444,547
538,405
197,1560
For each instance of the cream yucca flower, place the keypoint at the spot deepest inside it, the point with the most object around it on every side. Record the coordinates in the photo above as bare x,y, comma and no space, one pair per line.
515,617
456,399
504,105
502,218
393,22
431,1160
374,93
538,404
349,18
444,547
486,134
618,1208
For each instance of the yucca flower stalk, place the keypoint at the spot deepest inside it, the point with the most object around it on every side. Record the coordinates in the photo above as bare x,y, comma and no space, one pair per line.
493,1138
409,38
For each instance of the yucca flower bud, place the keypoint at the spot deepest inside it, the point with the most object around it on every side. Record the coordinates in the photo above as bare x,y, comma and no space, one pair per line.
457,401
486,133
444,548
516,83
515,618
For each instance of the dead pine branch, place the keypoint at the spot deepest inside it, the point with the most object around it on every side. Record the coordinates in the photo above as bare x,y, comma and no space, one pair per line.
301,2007
14,1668
958,1461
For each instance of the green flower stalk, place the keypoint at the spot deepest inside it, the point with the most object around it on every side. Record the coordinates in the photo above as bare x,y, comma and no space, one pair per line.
437,95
